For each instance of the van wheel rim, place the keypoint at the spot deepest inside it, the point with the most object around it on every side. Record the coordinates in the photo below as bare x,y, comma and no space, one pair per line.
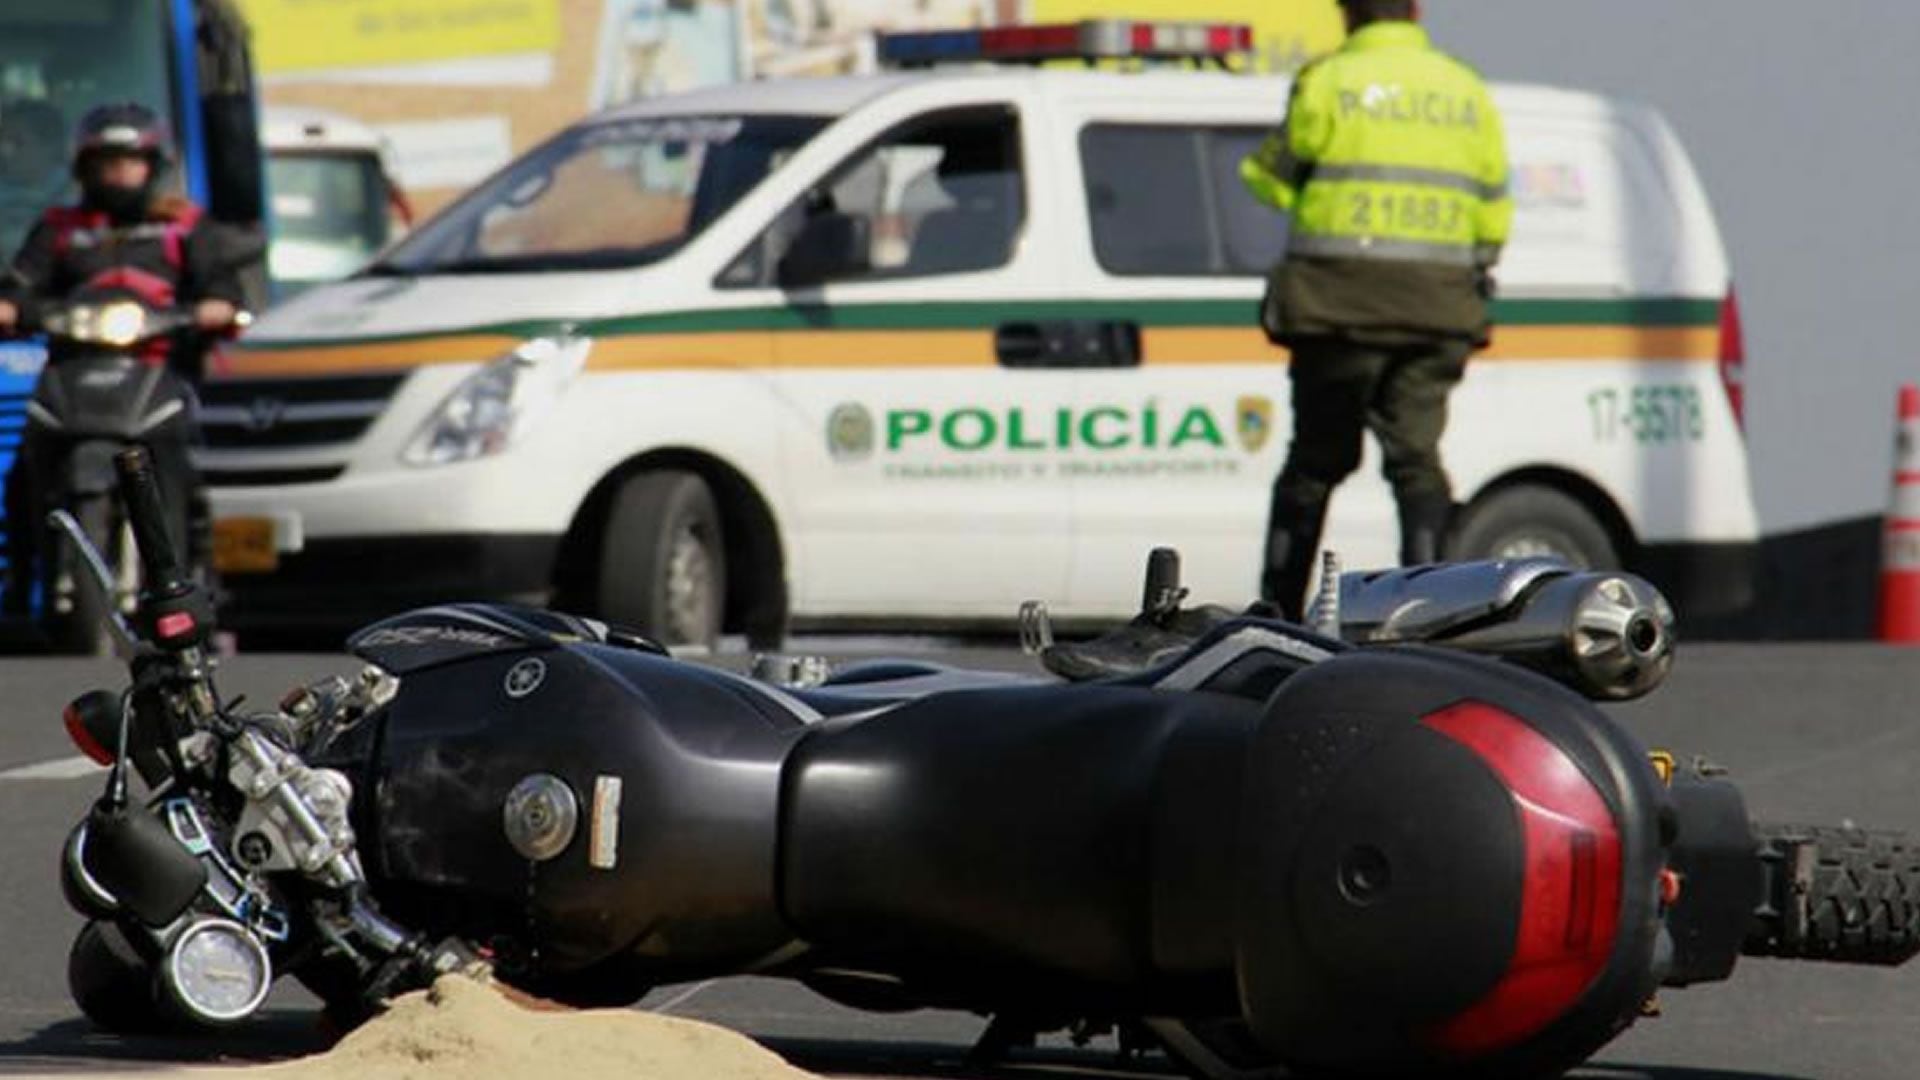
690,581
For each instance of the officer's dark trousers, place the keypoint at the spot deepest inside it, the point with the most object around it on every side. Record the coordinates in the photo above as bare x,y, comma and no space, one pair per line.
1341,390
37,481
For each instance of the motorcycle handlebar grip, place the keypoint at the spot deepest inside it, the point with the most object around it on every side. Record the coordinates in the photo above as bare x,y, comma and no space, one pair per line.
146,514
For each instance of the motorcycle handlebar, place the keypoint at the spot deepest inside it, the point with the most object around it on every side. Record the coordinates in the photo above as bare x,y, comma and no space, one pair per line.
57,319
164,573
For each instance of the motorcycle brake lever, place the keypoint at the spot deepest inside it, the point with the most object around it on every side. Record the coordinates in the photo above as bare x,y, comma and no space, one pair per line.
126,641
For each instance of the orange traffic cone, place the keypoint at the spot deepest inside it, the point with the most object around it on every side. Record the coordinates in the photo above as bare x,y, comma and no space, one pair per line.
1900,550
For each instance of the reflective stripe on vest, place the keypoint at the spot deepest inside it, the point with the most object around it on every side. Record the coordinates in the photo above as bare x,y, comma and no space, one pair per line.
1408,174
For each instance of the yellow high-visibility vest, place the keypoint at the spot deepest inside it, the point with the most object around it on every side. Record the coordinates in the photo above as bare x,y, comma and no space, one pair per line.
1391,150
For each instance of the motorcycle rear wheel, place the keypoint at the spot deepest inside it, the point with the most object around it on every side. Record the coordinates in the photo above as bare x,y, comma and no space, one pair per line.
1854,895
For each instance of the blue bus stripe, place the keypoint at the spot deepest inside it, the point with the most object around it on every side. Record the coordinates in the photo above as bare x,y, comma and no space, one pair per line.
186,69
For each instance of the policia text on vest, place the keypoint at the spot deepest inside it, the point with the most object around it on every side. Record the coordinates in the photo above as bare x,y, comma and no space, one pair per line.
1393,164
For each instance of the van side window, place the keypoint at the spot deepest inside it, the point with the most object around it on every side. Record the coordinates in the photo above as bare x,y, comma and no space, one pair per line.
1253,236
1166,200
940,195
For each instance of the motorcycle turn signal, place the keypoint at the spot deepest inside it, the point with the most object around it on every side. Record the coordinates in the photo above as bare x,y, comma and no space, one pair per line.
93,722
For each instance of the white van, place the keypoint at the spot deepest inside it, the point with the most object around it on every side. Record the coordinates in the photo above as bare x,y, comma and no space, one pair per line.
908,349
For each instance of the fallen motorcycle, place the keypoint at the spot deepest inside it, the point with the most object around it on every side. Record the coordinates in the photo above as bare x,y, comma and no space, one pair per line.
1270,850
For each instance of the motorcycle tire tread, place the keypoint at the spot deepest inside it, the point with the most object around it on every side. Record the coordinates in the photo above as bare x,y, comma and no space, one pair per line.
1842,894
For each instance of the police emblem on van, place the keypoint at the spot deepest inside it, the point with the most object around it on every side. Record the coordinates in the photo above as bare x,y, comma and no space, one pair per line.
849,432
1253,417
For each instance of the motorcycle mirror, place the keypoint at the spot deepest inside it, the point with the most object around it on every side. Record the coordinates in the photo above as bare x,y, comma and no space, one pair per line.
126,642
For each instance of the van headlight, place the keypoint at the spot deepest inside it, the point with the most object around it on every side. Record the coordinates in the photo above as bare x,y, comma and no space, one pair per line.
498,403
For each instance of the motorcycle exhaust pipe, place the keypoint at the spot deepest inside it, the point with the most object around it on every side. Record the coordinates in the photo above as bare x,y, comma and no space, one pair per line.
1606,634
1610,636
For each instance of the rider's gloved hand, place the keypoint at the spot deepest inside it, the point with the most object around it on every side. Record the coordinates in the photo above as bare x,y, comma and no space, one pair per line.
213,315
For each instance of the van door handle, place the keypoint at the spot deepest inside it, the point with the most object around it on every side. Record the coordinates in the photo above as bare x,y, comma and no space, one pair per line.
1068,343
1113,343
1021,344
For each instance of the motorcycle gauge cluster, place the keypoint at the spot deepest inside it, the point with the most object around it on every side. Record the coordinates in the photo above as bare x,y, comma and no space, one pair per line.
218,972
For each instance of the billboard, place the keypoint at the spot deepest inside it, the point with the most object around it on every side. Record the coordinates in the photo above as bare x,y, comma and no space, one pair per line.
315,35
458,86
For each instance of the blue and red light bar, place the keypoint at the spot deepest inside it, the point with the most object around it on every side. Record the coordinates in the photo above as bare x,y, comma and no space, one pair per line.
1089,40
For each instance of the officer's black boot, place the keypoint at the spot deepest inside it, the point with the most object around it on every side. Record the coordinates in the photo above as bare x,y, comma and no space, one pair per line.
1423,529
1292,543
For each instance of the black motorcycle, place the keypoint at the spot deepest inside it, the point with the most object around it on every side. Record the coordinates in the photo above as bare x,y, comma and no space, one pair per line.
1271,848
98,395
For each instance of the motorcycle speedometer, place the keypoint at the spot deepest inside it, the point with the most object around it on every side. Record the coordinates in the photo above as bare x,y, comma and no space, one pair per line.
217,971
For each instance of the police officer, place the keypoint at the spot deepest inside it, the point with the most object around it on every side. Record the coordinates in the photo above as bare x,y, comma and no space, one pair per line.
1393,165
127,234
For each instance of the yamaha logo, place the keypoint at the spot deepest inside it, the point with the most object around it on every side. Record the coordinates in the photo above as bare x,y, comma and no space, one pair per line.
525,677
264,413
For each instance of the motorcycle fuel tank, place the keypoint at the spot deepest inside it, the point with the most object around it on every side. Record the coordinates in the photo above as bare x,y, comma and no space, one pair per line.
672,770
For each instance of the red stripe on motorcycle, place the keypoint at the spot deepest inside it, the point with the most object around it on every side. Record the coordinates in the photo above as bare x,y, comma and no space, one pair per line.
152,288
1570,901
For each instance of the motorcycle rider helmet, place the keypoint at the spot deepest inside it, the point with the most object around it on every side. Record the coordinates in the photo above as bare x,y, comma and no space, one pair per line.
125,129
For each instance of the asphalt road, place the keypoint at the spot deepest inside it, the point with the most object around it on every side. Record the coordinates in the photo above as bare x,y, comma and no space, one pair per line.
1813,733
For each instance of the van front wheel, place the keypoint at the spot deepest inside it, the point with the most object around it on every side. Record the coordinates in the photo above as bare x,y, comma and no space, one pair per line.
663,567
1530,520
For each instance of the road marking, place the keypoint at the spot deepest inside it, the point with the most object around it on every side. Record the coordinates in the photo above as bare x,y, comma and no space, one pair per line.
71,768
681,998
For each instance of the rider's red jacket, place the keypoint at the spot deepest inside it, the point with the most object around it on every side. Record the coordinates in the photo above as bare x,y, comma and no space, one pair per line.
168,260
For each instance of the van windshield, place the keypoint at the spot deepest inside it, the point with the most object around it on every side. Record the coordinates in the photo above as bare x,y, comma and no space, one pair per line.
615,194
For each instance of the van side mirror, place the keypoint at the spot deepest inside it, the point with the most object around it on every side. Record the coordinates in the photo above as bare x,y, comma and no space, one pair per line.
829,246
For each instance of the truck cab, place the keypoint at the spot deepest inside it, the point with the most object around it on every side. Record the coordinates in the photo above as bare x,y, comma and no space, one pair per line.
334,200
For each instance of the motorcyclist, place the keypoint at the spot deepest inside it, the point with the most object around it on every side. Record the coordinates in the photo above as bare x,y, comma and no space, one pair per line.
128,234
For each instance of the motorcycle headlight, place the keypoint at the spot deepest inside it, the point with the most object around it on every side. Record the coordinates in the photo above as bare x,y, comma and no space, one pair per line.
497,404
120,325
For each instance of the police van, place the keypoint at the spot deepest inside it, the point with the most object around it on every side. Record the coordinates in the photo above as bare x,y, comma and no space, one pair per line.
909,348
